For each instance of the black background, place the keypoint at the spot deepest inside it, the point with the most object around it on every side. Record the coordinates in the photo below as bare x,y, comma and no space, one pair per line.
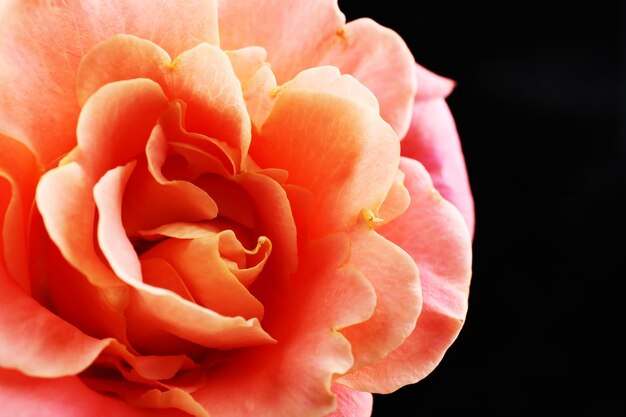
540,108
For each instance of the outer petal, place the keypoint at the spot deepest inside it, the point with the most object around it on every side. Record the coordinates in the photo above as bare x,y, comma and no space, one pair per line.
301,34
24,396
340,150
42,43
434,141
37,342
295,33
351,403
433,232
381,60
394,276
309,351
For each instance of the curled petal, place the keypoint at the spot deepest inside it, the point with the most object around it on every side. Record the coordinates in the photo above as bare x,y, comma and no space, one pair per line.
200,265
115,124
203,77
43,43
434,141
310,349
433,232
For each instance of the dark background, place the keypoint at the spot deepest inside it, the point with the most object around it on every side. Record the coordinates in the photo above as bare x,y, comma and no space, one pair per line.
540,108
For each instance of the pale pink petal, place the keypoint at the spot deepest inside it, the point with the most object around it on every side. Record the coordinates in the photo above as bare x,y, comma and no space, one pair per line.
340,150
247,61
257,92
37,342
203,77
20,172
394,276
396,202
43,42
351,403
24,396
380,59
434,141
433,232
295,33
310,349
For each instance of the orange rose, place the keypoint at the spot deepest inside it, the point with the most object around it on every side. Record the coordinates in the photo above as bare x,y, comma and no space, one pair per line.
202,216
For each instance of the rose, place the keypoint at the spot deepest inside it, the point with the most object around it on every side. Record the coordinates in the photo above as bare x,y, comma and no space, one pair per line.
200,215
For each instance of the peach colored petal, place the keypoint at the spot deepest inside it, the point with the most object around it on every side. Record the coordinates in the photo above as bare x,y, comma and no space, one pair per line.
434,141
121,57
247,61
44,43
380,59
115,124
174,134
19,169
394,276
341,151
433,232
158,310
274,220
69,397
203,77
397,200
159,273
351,403
150,202
295,33
173,398
257,93
112,240
233,201
200,265
329,80
70,221
97,311
310,350
38,343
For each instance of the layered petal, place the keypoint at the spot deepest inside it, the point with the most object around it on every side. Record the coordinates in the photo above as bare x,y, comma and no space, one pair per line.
203,77
334,146
115,124
295,33
301,34
43,42
394,276
434,141
37,342
310,349
434,233
67,397
381,60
